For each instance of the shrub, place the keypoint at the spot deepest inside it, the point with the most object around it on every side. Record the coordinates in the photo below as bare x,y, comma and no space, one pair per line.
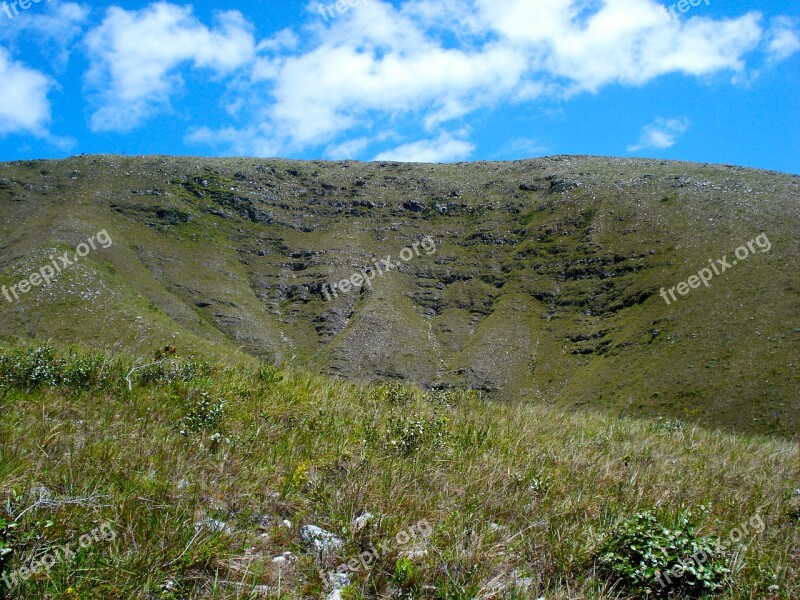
202,413
407,578
30,368
36,367
668,425
83,372
6,545
269,374
651,559
407,434
169,370
393,393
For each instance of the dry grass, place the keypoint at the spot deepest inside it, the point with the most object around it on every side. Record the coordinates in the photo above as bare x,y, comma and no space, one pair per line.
512,491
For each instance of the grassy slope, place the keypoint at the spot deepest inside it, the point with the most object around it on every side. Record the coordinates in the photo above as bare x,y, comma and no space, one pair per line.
547,293
513,490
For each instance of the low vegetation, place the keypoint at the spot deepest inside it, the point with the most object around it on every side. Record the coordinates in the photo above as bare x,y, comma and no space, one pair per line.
207,472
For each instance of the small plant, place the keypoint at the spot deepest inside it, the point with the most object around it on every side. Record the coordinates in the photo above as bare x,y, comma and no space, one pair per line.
83,372
539,485
165,352
351,592
668,425
269,374
407,434
652,559
406,577
169,370
6,543
393,393
202,413
299,476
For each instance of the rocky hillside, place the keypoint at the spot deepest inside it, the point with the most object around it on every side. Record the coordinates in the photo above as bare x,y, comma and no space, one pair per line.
536,280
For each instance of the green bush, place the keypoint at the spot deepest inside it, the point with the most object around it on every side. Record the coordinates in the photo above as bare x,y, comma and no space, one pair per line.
169,370
36,367
406,576
393,393
30,368
202,413
668,425
649,558
6,544
407,434
83,372
269,374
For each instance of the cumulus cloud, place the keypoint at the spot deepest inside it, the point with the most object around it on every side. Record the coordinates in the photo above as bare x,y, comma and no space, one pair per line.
661,134
54,28
253,141
61,22
783,38
24,106
442,149
349,149
380,66
430,63
135,57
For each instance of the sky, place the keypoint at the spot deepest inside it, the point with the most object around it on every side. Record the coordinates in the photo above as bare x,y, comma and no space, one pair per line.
415,80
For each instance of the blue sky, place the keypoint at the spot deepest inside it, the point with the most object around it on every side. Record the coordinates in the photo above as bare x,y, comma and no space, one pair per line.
420,80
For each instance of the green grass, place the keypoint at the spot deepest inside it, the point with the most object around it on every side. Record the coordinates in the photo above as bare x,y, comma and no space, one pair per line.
510,490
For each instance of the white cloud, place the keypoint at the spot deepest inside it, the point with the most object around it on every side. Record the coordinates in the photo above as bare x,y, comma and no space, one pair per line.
661,134
433,62
783,39
236,142
61,22
420,62
24,106
135,54
349,149
442,149
54,28
521,148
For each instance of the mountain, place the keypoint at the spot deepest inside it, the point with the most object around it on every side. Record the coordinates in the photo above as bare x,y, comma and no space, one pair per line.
537,281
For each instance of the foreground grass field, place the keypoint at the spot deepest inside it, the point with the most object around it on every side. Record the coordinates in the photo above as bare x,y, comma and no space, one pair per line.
203,474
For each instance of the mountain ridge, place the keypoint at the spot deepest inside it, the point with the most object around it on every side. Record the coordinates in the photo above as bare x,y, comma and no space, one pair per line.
545,284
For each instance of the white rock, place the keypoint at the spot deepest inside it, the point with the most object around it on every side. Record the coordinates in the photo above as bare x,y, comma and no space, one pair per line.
214,526
324,543
414,553
339,581
40,492
284,559
361,521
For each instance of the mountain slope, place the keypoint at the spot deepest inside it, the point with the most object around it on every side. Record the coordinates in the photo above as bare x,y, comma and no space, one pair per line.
544,284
